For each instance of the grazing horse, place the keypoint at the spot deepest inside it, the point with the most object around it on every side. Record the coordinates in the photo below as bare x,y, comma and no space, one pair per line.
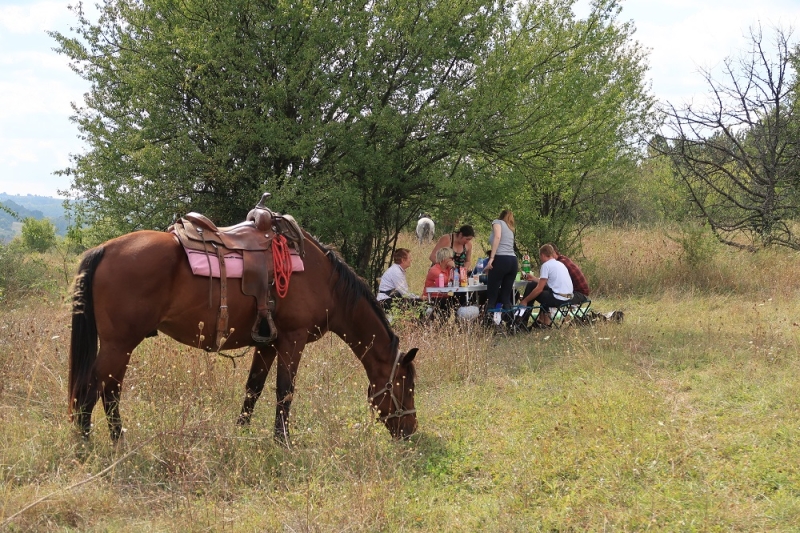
425,230
135,285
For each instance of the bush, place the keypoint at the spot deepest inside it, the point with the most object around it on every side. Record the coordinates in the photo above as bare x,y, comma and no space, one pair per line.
698,245
24,275
38,235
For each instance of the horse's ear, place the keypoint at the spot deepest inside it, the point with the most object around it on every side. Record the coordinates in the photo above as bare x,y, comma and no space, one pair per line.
408,357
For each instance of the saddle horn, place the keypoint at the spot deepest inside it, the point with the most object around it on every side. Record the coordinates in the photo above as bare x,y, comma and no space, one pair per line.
264,197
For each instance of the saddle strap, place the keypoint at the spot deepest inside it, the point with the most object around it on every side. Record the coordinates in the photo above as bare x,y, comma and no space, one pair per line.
208,258
222,316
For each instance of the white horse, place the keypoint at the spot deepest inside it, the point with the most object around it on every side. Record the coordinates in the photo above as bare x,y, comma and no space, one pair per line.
425,230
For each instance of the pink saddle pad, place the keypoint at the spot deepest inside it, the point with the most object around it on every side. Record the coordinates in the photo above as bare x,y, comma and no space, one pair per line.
199,261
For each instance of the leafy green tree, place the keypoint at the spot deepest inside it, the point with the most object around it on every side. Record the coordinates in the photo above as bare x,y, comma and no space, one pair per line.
38,235
356,115
570,132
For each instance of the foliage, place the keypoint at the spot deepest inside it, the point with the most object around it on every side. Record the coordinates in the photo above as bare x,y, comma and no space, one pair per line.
697,243
595,106
38,235
355,115
738,156
23,274
653,196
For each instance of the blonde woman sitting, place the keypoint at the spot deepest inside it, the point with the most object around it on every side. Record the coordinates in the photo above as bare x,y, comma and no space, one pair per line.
442,302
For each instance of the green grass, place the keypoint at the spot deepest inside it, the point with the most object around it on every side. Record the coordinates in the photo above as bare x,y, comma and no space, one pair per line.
685,417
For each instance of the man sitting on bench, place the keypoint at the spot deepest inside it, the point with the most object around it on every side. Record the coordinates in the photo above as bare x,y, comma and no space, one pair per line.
553,288
579,283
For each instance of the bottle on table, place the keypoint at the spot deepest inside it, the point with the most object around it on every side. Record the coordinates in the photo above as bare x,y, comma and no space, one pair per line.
526,264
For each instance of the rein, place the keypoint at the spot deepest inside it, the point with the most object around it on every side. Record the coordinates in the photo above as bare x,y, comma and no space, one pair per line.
398,410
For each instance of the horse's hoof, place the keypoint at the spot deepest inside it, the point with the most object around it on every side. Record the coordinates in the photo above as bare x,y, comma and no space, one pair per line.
118,440
283,440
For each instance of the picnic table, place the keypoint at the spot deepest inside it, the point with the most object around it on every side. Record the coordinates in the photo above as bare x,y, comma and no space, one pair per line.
471,291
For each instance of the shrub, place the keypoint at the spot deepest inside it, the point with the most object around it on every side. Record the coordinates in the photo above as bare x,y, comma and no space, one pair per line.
24,275
698,244
38,235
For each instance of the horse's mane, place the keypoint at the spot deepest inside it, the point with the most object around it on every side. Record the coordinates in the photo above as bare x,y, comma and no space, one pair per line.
352,288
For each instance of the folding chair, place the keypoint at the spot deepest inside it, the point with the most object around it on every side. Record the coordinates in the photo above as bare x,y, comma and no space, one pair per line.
570,312
515,319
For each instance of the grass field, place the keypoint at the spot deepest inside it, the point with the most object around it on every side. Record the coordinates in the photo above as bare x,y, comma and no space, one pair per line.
685,417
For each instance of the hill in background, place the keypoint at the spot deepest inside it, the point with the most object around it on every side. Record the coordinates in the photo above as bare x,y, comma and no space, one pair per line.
37,207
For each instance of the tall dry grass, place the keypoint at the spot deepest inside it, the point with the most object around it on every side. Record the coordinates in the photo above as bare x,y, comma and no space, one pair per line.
651,261
684,417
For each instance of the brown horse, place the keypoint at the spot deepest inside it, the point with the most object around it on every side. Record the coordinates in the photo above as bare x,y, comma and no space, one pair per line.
132,286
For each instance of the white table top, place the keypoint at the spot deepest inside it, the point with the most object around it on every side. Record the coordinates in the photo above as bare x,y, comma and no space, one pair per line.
469,288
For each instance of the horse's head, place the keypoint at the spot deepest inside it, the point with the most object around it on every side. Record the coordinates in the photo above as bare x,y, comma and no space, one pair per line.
393,401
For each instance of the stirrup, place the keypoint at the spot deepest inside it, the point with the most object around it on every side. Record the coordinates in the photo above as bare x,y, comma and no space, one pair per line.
256,333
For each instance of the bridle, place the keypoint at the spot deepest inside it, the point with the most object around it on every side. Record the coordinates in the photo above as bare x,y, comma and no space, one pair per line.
398,410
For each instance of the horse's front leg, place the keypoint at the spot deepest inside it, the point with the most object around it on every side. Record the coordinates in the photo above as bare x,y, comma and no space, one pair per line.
290,349
262,361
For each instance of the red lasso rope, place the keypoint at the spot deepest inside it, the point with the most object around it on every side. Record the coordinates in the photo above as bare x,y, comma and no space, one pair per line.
283,265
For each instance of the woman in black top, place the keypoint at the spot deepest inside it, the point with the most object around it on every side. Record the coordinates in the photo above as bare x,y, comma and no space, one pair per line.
461,243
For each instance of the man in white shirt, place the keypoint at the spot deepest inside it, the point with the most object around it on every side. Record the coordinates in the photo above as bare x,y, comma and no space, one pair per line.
554,286
393,282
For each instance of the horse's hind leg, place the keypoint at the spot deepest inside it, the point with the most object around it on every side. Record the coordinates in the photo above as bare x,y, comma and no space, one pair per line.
84,402
112,362
262,361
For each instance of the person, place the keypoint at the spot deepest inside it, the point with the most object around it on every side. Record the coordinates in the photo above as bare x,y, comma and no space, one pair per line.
580,285
442,302
553,287
460,242
502,266
394,285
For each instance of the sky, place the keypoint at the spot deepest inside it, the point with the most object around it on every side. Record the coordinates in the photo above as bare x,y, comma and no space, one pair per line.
37,86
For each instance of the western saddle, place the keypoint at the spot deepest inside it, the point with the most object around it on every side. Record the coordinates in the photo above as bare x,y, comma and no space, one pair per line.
253,239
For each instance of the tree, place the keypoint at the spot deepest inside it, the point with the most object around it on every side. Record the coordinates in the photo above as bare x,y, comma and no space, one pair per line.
738,155
356,115
590,99
572,104
38,235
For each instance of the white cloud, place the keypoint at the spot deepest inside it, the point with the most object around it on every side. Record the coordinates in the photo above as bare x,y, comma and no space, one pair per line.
34,18
687,36
44,60
32,96
36,135
27,164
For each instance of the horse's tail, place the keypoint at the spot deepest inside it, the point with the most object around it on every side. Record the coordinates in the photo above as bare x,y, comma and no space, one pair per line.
430,231
83,343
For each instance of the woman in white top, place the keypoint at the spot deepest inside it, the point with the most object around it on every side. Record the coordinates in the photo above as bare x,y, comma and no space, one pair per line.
502,266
